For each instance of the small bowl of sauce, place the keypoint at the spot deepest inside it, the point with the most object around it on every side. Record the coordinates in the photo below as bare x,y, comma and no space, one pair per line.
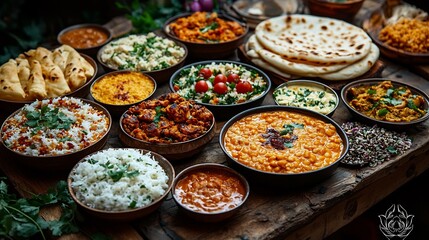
210,192
85,38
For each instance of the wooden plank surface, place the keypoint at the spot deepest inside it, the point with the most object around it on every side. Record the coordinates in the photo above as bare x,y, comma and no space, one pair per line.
311,213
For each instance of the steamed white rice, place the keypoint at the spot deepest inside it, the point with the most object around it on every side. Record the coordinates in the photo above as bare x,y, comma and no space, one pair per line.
96,184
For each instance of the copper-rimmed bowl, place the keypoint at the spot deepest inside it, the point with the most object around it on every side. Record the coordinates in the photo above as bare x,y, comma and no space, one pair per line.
321,104
116,89
160,76
86,38
129,214
217,50
292,176
236,181
61,162
9,106
347,96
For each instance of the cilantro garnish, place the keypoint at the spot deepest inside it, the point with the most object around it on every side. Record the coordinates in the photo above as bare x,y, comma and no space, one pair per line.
209,27
48,118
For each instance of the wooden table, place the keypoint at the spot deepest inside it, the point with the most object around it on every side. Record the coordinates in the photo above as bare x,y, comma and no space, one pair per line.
311,213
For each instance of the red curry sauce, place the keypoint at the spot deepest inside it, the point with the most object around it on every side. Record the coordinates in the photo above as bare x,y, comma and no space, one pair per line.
210,191
85,37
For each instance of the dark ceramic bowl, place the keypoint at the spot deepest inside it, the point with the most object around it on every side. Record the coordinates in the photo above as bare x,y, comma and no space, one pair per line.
92,31
63,162
160,76
9,106
218,50
344,10
308,84
347,96
172,151
118,109
131,214
274,180
207,168
225,111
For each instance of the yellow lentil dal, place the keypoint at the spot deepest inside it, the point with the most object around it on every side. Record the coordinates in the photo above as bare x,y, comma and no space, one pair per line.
122,88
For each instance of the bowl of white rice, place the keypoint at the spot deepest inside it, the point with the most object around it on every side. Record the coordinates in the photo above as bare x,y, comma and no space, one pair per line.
120,184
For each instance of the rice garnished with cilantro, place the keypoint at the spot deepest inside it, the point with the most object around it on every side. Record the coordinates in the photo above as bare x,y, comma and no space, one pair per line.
119,179
54,127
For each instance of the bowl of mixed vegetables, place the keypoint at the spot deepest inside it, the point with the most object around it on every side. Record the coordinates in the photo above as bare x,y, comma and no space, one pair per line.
224,87
385,102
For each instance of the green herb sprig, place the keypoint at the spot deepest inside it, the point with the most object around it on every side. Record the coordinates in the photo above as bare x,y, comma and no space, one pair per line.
48,118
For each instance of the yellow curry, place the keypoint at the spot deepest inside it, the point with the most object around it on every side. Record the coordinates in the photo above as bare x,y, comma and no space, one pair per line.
123,88
387,102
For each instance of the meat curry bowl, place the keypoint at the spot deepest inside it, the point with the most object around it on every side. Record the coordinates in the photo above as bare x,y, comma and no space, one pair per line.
157,56
53,134
387,103
210,192
120,184
169,125
283,146
207,35
224,87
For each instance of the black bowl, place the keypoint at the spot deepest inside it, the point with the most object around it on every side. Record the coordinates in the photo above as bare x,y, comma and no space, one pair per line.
266,179
216,50
346,98
225,112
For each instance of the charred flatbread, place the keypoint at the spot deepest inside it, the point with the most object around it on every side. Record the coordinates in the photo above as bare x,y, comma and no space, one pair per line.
313,39
10,87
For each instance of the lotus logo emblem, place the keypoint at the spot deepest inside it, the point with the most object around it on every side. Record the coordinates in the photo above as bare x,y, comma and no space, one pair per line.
396,222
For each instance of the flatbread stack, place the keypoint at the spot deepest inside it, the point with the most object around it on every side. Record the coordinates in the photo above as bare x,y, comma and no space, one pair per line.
41,73
295,46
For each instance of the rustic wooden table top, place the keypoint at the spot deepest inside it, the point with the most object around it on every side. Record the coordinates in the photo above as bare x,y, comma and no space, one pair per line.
310,213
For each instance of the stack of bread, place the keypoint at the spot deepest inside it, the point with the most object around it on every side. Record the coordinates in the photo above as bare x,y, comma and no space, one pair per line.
295,46
41,73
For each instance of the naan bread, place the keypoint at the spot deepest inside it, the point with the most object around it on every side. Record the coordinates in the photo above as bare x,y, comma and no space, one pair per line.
355,69
23,72
313,39
258,61
55,82
294,68
36,82
10,87
75,72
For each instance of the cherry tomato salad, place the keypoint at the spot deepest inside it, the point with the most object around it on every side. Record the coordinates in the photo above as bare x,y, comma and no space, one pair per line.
219,83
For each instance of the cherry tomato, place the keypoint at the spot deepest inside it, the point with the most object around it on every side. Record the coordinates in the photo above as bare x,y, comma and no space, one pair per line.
220,88
205,73
201,86
244,87
233,77
219,78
